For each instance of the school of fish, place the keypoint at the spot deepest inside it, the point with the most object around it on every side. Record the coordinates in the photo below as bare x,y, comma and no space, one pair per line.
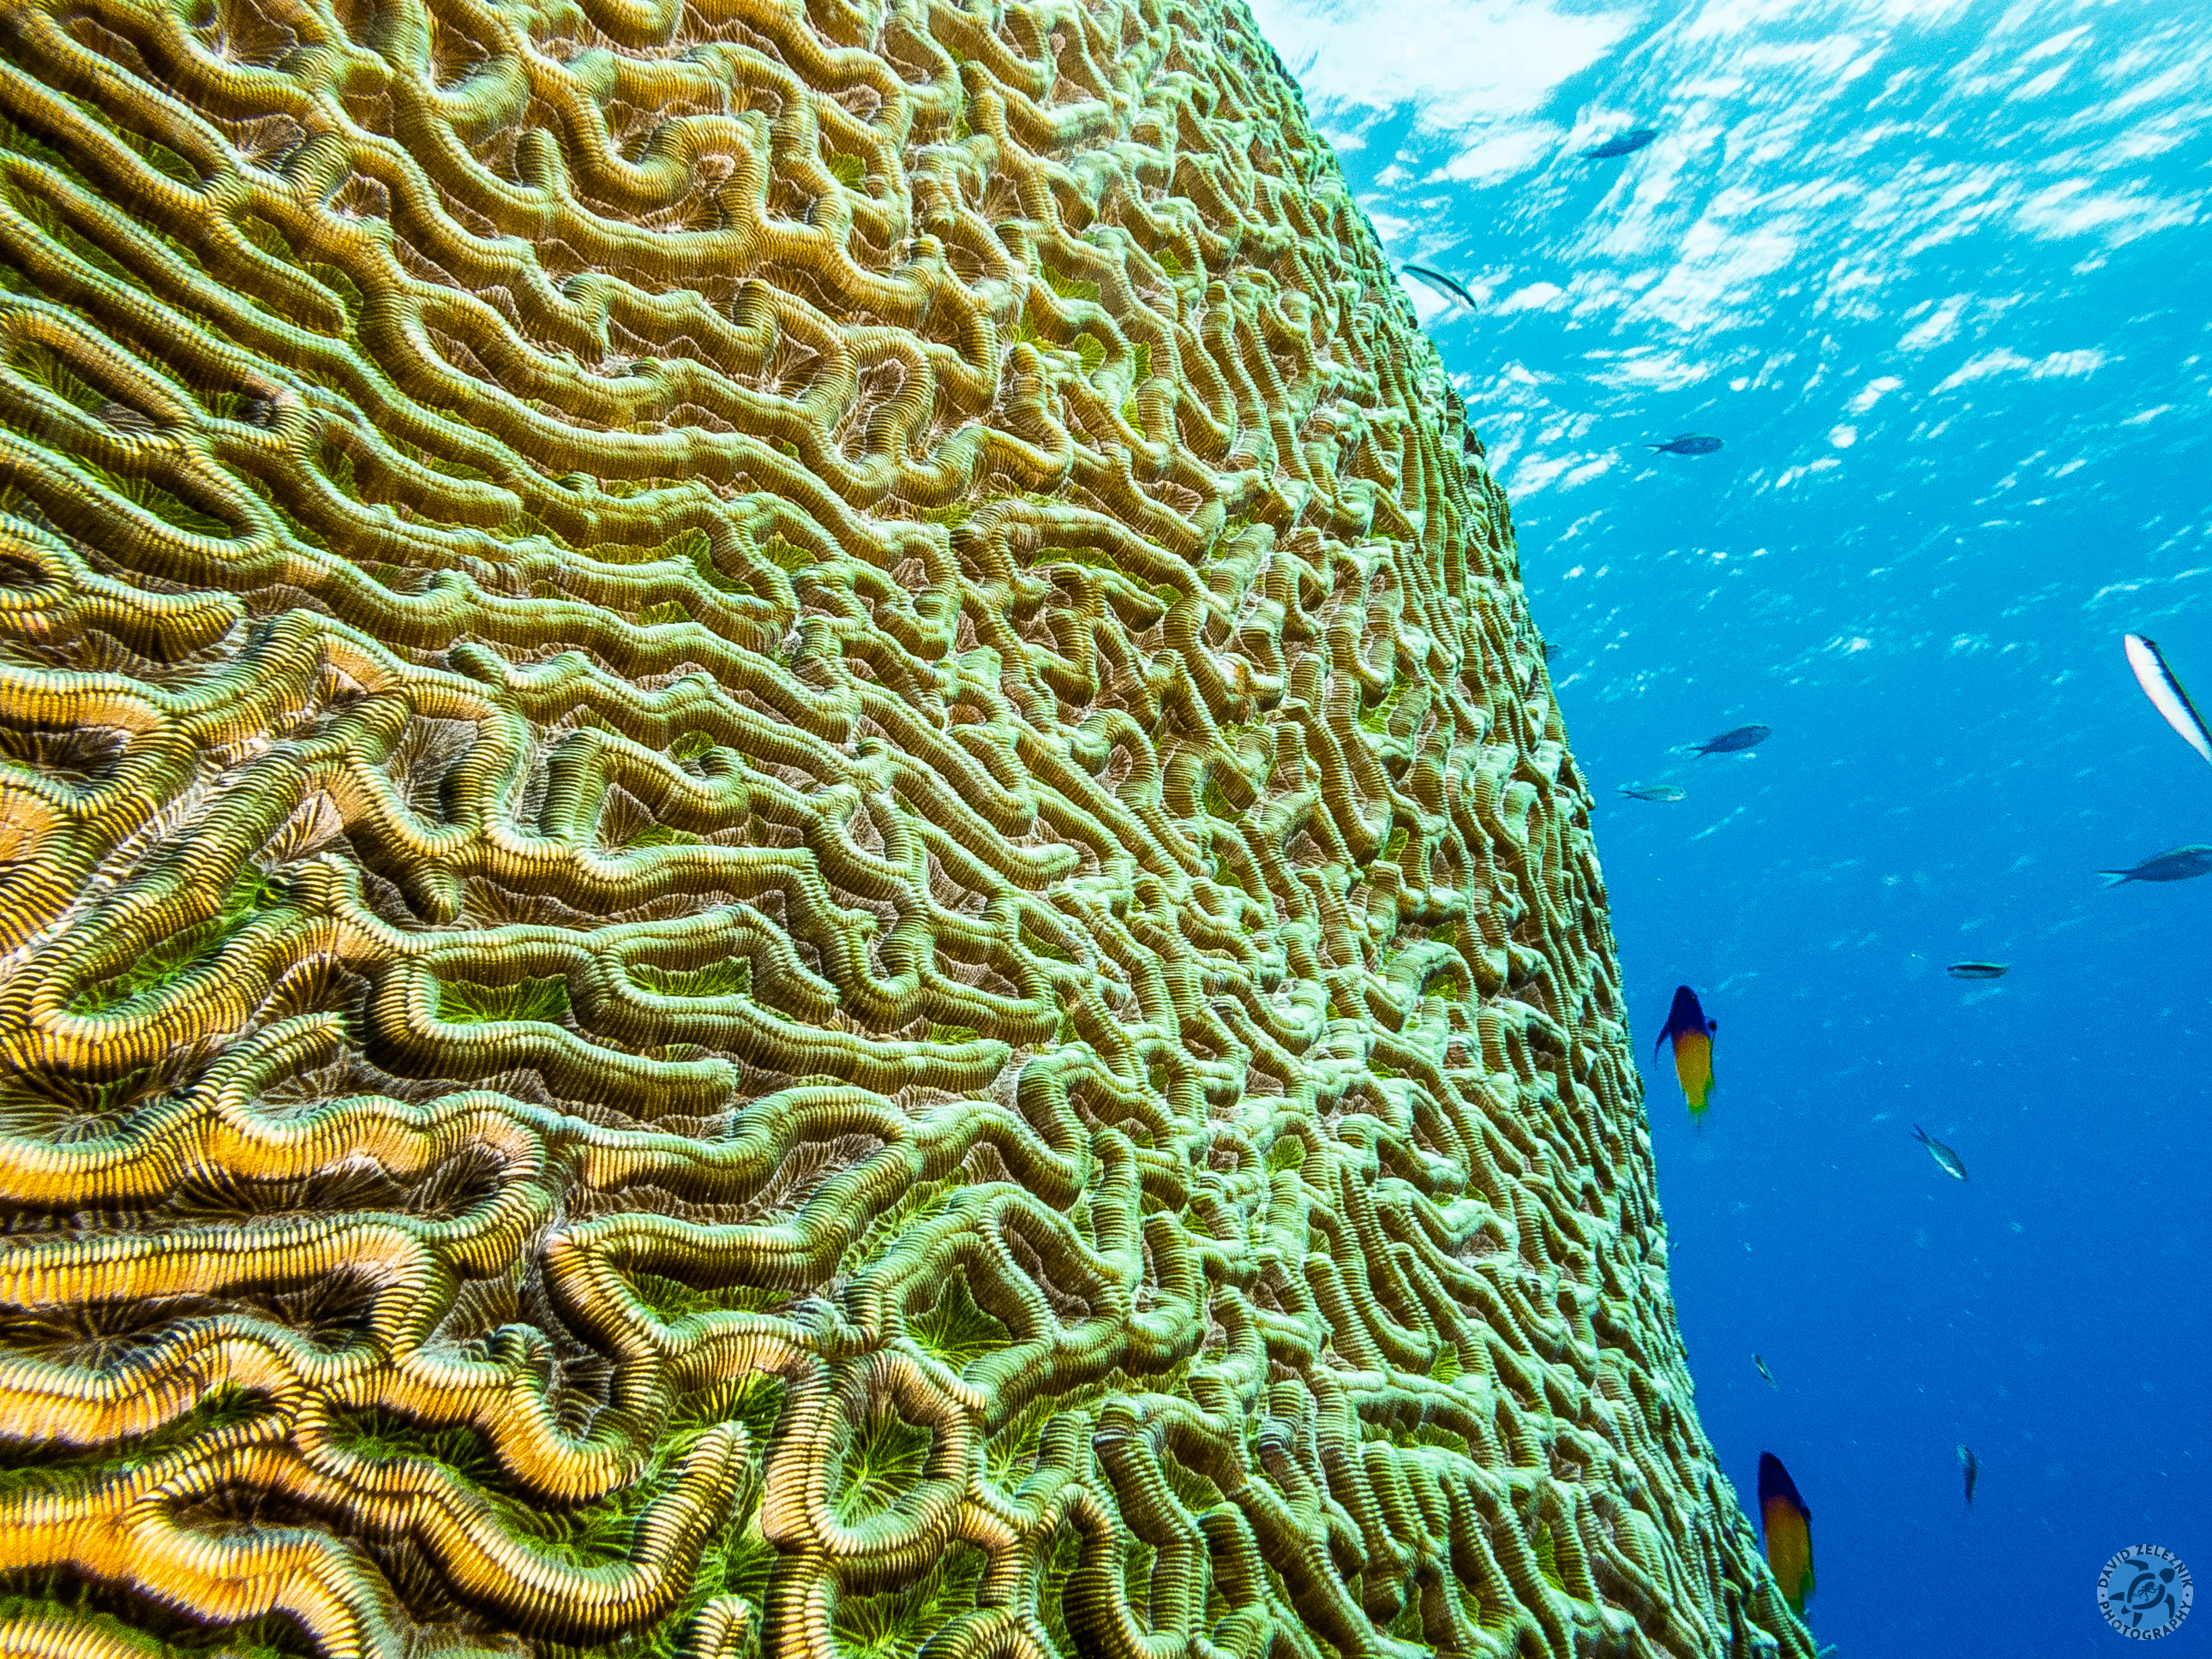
1786,1520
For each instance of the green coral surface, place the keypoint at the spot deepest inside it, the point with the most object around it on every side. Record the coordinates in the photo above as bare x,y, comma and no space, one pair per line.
783,866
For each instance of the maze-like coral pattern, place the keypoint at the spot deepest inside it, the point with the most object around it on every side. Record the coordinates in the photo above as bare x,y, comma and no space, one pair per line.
782,865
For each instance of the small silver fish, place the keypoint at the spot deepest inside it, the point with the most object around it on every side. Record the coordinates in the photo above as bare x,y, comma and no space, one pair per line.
1688,443
1450,289
1946,1160
1735,740
1970,1467
1763,1371
2182,864
1624,143
1652,791
2163,687
1978,969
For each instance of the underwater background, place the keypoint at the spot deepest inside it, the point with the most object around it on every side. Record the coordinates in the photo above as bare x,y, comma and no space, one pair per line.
1939,277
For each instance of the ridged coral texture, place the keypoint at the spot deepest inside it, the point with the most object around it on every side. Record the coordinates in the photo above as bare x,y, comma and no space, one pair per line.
783,868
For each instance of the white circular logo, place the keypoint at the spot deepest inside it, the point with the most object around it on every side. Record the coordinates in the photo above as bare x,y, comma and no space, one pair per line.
2145,1593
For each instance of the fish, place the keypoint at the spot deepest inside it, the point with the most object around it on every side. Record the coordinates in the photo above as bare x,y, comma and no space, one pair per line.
1970,1467
1442,283
1761,1364
1652,791
1687,443
1788,1525
1734,741
1946,1160
2164,689
1622,143
1694,1049
1978,969
2182,864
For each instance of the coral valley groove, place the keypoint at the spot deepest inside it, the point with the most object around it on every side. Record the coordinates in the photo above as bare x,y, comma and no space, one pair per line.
783,865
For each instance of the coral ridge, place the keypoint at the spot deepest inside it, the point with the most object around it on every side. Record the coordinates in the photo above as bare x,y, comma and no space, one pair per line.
783,866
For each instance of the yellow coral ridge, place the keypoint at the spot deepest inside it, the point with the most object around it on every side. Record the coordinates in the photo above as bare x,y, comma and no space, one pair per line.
782,865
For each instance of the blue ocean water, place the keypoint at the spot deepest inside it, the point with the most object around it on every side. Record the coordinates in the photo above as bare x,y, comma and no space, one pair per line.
1939,275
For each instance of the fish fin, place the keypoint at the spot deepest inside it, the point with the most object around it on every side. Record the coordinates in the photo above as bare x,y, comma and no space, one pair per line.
1663,1035
2114,878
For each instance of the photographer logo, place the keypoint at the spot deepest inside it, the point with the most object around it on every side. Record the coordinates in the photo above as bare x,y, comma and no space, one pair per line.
2145,1593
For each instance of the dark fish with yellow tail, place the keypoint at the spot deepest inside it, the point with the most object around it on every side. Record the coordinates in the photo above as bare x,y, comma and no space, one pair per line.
1946,1160
1692,1034
1970,1468
1787,1525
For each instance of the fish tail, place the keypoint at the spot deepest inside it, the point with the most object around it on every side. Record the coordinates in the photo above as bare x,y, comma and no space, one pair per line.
2114,878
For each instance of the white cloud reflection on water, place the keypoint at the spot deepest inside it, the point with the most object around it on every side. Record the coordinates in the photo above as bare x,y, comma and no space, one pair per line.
1460,64
1817,166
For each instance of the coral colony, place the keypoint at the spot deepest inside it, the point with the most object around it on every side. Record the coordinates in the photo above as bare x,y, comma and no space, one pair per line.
783,868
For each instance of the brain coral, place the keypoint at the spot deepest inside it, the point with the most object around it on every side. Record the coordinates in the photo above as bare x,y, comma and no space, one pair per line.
782,866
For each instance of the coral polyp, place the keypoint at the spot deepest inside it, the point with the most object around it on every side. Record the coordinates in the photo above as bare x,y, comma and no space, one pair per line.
783,865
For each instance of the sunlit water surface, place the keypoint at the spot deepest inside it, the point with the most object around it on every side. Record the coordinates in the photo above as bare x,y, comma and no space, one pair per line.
1940,277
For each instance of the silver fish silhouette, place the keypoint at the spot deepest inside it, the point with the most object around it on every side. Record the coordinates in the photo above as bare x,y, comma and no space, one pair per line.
1442,283
2182,864
1688,443
1970,1467
1978,969
1946,1160
1653,791
1624,143
1766,1373
2164,689
1735,740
